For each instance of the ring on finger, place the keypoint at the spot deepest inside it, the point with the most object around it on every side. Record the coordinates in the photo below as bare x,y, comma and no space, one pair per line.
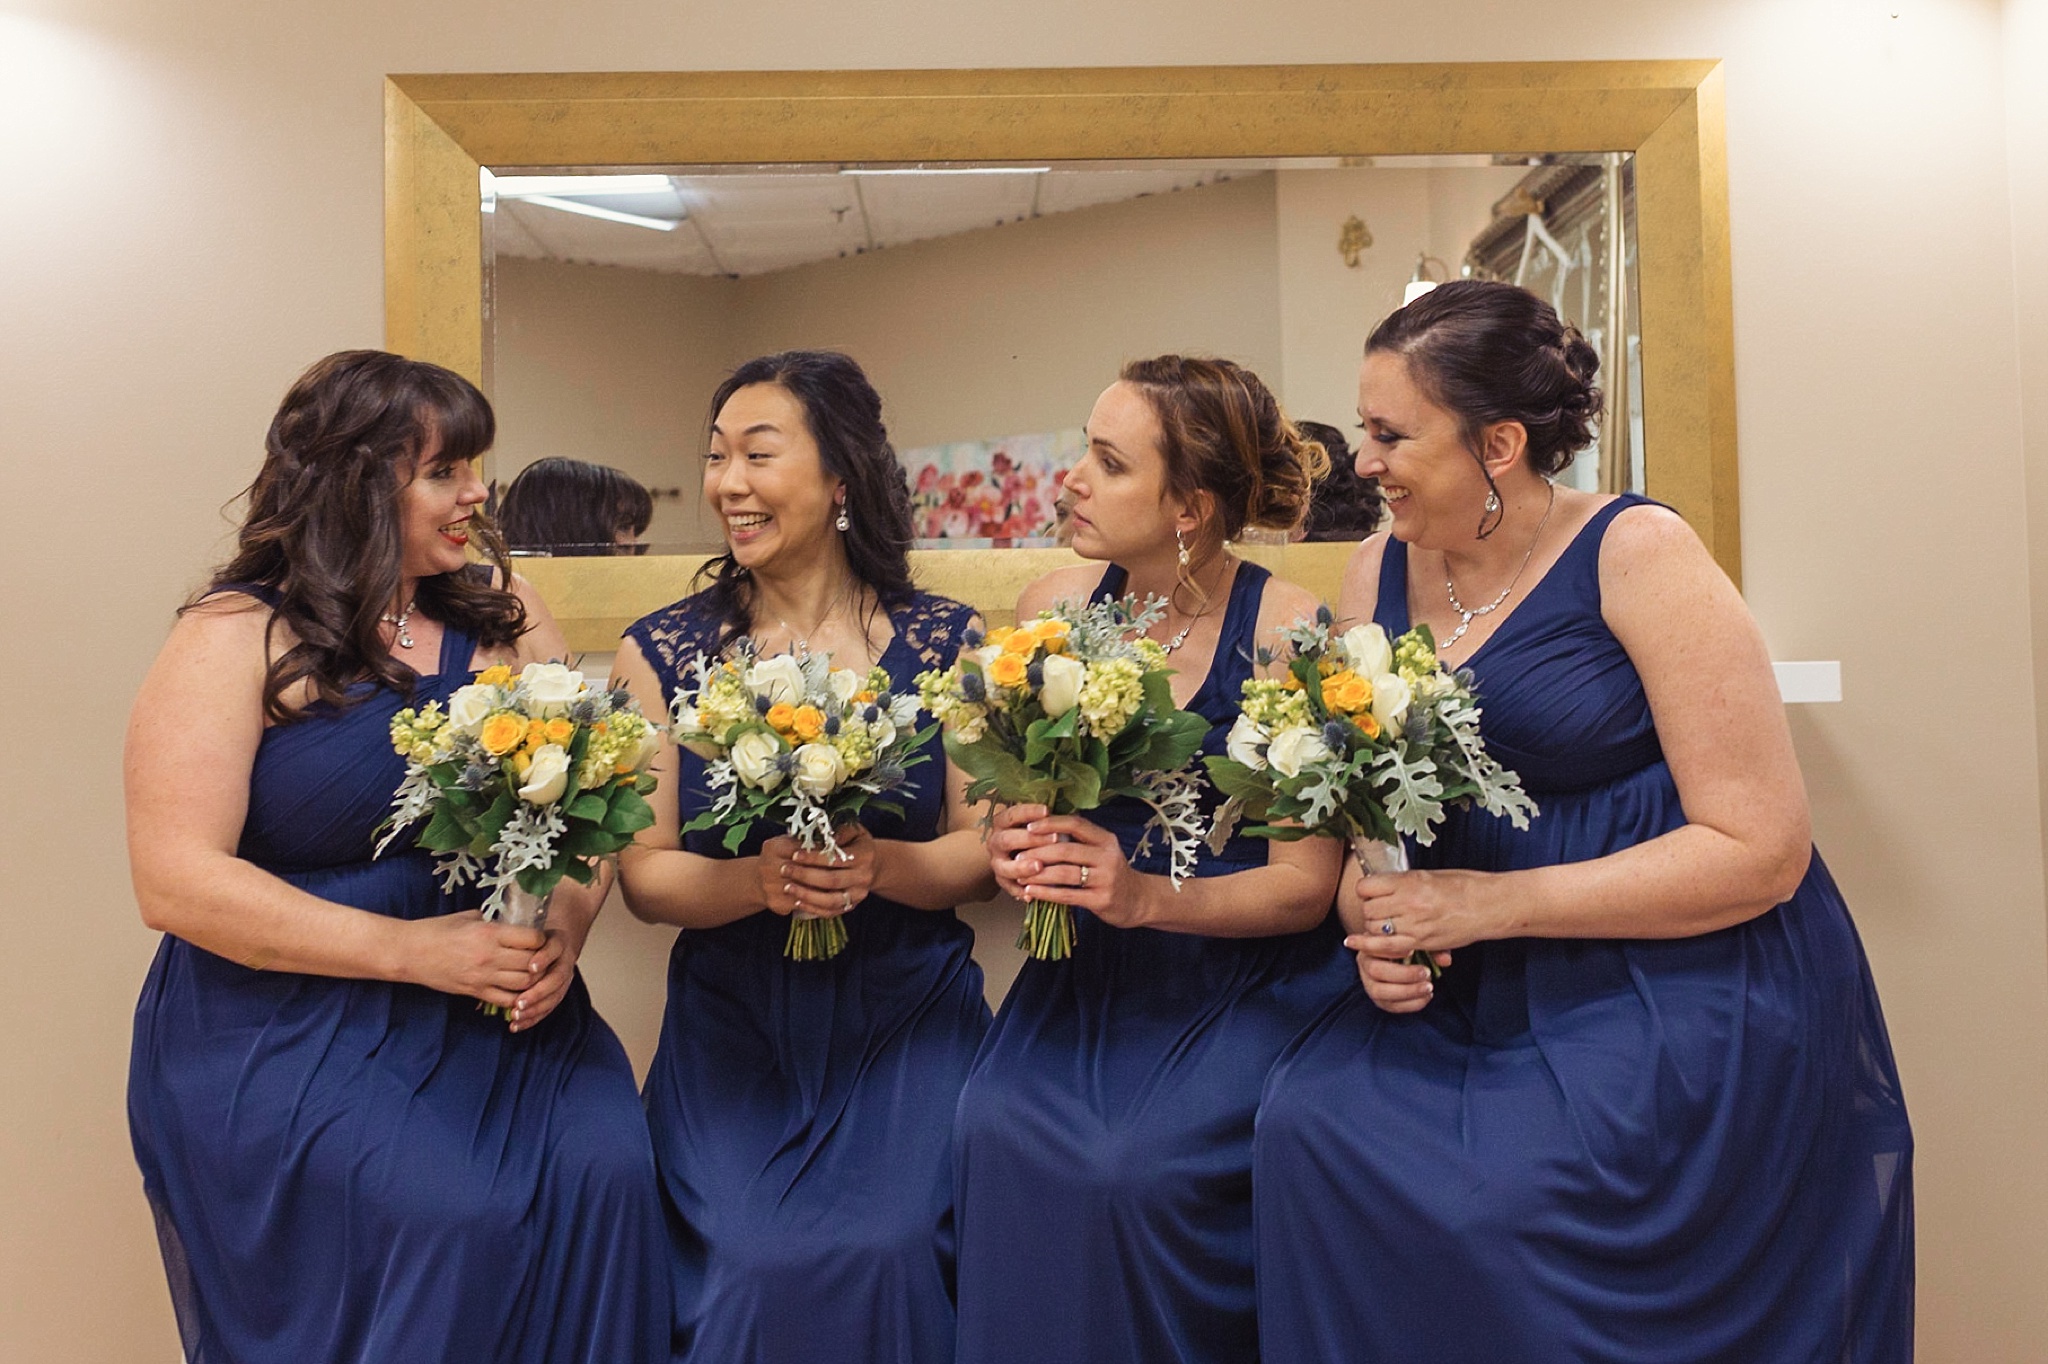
1387,928
1084,875
846,899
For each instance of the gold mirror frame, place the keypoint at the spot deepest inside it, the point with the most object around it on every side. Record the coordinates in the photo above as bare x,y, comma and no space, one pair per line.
439,129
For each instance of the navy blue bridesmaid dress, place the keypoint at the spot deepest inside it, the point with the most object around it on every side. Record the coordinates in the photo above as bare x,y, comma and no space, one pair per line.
1592,1150
802,1111
1104,1167
358,1172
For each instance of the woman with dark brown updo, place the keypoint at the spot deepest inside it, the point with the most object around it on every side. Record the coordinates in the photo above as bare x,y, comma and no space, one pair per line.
1649,1111
1104,1157
348,1161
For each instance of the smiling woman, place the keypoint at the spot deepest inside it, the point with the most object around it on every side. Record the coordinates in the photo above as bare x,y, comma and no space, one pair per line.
430,1183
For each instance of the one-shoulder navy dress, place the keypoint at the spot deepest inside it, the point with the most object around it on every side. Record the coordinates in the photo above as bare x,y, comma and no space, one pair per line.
802,1111
1104,1167
358,1172
1592,1150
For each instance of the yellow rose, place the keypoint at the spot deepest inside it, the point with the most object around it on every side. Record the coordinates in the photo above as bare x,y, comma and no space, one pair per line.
1023,643
1007,669
497,675
559,731
998,635
808,722
1346,692
502,733
781,717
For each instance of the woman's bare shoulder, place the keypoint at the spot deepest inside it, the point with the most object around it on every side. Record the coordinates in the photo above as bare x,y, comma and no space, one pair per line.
1075,582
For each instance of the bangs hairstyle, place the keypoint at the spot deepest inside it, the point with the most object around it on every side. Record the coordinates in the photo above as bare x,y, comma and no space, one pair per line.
324,534
566,506
843,413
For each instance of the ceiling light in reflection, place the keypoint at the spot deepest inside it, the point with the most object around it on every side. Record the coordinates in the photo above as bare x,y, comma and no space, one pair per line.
610,215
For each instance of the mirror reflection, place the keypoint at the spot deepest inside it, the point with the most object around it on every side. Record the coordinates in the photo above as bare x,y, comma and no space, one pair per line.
991,304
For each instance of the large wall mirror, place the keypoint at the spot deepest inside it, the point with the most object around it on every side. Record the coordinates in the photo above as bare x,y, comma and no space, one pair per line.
599,250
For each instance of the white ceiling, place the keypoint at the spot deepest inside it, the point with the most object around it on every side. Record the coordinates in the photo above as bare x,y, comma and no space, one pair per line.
748,223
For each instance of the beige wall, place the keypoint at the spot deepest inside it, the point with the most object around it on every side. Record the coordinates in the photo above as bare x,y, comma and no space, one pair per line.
192,213
612,366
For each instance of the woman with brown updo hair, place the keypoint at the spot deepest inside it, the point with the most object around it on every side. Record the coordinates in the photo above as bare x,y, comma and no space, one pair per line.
347,1159
1104,1137
1648,1111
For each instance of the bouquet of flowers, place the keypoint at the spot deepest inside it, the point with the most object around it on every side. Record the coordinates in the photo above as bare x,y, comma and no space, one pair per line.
521,781
794,740
1066,711
1363,739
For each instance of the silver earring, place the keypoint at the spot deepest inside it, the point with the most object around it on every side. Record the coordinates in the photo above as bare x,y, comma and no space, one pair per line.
842,523
1492,504
1183,546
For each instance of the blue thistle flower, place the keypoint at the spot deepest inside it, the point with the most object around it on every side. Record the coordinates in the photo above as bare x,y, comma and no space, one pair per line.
1335,733
1034,673
831,725
970,638
762,705
871,714
973,688
1323,616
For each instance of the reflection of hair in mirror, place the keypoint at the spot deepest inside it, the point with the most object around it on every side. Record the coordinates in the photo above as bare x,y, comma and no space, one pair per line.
565,506
323,527
844,414
1492,352
1223,433
1343,506
1062,527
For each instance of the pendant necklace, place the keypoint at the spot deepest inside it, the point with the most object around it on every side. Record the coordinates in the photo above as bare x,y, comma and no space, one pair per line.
403,620
803,637
1466,617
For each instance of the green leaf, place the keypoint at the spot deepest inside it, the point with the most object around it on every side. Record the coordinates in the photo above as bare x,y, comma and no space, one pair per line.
590,805
1233,778
445,832
629,814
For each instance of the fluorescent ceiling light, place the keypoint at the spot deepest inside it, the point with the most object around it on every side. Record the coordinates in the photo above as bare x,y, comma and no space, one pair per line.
577,186
944,170
593,211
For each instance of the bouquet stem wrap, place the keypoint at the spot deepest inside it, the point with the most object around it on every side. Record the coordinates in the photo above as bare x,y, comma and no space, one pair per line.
1378,857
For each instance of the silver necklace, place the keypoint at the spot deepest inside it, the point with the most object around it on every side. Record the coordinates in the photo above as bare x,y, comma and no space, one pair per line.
1466,617
803,637
402,620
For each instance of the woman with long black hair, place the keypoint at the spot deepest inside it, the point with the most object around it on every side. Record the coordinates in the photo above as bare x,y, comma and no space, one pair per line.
802,1111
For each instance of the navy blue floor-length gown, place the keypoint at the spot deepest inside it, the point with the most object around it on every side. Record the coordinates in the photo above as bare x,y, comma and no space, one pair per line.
359,1172
1592,1150
802,1111
1104,1169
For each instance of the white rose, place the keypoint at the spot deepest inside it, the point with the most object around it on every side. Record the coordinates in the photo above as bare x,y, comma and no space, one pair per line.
551,686
1246,743
470,706
842,683
780,679
819,770
650,749
1390,698
753,757
1367,647
1294,749
883,732
548,777
1063,679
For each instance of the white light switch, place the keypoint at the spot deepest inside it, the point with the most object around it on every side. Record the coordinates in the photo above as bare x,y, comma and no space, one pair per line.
1809,682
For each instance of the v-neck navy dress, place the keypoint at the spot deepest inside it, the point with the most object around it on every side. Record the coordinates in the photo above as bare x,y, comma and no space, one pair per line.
359,1172
1689,1149
1104,1167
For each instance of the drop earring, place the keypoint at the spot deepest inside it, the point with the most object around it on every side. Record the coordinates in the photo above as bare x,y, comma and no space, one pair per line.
842,523
1183,546
1492,504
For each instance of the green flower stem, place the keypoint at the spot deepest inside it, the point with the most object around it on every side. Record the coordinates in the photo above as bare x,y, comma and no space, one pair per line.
814,939
1048,933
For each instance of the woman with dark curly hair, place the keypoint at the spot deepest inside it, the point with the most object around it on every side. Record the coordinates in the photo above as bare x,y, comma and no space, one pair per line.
802,1111
1649,1110
347,1159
